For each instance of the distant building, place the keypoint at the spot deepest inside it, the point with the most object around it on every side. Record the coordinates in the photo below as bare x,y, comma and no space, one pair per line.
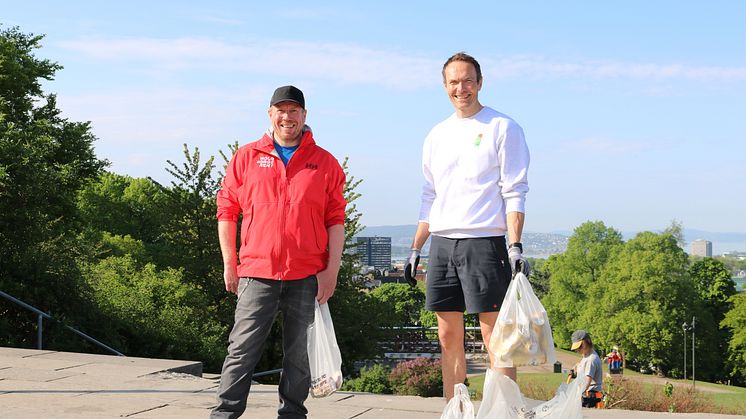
702,248
375,251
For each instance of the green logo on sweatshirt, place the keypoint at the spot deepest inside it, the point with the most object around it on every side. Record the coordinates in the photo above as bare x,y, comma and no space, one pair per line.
478,140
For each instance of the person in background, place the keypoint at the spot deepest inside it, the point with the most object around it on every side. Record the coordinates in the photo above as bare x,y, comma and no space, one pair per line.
615,361
589,368
475,165
290,192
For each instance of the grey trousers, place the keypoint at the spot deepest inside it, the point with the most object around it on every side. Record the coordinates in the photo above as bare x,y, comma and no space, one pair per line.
259,300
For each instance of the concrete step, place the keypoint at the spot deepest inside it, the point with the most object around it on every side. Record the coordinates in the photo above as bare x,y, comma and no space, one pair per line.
51,384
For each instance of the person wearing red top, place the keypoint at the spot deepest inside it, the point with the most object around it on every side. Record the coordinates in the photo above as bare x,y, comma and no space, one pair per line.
289,192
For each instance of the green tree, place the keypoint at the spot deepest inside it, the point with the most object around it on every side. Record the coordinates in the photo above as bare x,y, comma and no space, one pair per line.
676,230
191,231
124,206
644,298
714,286
154,313
539,277
44,161
356,322
573,273
735,321
405,303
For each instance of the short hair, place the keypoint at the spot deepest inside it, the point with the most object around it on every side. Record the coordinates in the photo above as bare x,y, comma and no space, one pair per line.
587,341
462,56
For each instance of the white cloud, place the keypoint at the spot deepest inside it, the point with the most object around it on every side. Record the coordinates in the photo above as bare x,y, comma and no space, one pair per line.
347,63
139,130
536,67
338,62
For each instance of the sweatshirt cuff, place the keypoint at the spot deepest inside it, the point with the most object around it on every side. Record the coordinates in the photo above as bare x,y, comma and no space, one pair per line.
516,204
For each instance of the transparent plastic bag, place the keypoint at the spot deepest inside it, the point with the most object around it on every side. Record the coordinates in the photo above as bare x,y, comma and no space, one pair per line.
324,358
460,406
522,334
501,398
566,403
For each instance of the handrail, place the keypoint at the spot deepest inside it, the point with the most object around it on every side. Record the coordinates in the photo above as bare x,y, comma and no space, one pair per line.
473,341
42,315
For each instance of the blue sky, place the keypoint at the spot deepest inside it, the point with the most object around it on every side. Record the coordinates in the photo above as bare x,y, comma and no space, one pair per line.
634,113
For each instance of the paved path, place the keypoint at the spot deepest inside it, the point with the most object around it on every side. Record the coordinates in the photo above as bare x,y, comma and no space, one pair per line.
49,384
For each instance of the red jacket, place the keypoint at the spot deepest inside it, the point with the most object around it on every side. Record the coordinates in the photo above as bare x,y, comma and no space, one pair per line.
286,210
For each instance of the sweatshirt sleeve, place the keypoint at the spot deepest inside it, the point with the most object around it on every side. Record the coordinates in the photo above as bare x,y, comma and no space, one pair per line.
428,189
514,160
227,198
335,202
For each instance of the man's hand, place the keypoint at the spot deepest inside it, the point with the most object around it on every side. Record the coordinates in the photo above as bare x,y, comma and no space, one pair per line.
517,262
410,269
327,280
230,276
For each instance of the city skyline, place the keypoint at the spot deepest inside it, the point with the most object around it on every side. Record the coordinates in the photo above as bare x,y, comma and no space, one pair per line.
631,118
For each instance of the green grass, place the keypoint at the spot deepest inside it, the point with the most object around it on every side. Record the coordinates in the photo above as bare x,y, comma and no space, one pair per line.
476,383
731,400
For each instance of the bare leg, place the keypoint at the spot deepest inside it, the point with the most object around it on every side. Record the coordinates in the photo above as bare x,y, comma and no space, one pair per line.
453,359
487,324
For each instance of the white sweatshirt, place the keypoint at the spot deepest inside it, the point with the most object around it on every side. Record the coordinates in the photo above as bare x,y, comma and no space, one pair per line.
476,170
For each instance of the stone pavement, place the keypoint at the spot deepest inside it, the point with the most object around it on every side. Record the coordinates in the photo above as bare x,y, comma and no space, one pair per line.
50,384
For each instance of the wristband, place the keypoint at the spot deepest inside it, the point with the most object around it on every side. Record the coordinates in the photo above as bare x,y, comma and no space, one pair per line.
519,245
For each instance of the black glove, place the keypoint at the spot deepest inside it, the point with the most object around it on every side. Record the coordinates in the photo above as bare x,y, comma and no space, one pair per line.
410,269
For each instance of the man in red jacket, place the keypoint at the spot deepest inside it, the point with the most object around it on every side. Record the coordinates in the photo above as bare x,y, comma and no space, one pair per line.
290,194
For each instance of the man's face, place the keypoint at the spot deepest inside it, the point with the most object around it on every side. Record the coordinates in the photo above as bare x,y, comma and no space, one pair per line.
288,119
462,87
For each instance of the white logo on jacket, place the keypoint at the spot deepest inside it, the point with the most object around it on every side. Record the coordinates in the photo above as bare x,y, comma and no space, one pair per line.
265,161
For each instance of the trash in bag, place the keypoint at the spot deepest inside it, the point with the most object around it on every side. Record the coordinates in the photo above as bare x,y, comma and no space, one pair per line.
324,358
522,334
501,398
460,406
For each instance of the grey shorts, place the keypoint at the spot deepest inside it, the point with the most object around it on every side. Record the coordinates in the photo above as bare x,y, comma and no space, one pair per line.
467,274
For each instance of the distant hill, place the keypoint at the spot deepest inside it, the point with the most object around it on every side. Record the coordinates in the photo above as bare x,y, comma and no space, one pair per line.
543,245
535,244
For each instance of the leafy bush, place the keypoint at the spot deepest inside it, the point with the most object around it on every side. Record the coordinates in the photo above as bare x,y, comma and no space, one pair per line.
405,303
628,394
418,377
372,380
153,313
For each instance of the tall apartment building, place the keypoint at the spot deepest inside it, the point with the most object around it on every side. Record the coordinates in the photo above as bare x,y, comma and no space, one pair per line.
702,248
375,251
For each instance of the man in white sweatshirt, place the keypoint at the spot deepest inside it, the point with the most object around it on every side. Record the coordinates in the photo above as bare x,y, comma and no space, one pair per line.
475,165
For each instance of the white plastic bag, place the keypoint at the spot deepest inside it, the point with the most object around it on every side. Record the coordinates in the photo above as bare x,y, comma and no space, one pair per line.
566,403
501,398
460,406
324,357
522,334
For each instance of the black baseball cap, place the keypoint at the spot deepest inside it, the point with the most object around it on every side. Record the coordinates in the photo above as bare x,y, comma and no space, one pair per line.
288,94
